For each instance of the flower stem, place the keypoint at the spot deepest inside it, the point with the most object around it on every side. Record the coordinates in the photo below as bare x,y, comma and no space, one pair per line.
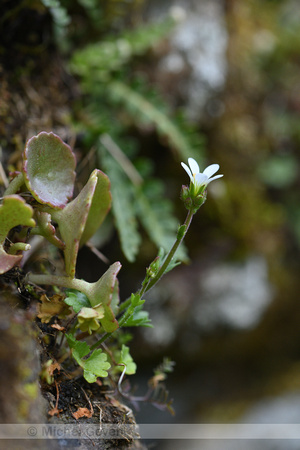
171,254
168,259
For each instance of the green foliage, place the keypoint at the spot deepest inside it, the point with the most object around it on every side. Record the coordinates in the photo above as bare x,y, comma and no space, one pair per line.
118,99
77,300
58,12
95,62
124,358
167,366
80,218
123,207
96,365
13,212
48,169
134,316
155,214
142,203
144,108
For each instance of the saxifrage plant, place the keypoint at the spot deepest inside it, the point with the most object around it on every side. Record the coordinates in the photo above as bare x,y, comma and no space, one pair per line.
38,201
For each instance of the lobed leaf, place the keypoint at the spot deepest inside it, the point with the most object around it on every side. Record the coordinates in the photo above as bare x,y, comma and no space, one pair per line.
77,300
94,366
126,359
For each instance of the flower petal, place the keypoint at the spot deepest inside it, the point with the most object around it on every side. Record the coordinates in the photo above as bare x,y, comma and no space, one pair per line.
187,169
214,178
210,170
201,179
194,166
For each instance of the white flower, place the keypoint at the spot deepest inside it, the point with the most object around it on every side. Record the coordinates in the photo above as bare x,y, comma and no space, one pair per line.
201,179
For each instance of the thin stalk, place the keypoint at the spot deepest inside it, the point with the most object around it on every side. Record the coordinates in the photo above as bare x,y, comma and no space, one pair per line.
164,266
170,255
100,341
14,185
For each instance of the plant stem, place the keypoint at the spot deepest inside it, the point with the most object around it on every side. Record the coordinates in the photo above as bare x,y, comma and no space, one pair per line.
165,265
55,280
170,255
152,282
104,337
14,185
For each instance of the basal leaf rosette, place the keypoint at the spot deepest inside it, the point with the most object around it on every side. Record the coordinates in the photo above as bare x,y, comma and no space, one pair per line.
13,212
49,169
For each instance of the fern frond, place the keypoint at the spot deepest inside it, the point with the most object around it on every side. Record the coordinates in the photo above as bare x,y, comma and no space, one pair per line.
99,59
144,112
122,205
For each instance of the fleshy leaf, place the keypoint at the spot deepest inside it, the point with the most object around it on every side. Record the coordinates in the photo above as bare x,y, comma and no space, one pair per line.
7,262
48,169
101,203
73,219
102,293
13,212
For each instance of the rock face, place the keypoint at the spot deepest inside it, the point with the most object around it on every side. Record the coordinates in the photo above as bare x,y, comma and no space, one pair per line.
196,63
20,397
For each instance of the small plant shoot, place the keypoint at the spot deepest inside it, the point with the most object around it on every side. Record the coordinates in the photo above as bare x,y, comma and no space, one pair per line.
84,314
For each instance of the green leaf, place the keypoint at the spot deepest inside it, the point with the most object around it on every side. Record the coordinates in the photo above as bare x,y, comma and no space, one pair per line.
139,319
77,300
101,203
79,348
126,359
13,212
96,365
96,60
87,210
145,111
123,207
134,316
48,169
